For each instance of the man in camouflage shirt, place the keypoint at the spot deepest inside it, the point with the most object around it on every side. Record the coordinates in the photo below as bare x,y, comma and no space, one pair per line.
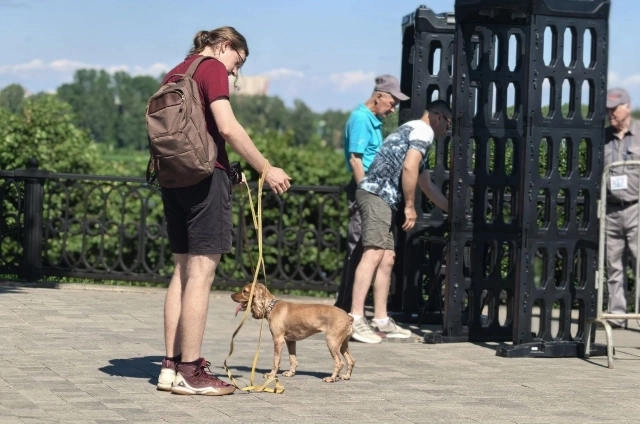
399,166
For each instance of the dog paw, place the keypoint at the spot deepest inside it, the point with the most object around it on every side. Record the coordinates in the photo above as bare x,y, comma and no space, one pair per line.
329,380
344,377
288,374
269,375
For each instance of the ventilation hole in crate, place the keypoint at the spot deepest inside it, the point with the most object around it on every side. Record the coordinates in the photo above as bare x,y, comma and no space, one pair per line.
504,314
538,318
468,259
563,207
577,315
514,53
543,208
544,157
513,100
587,100
580,268
509,156
509,205
584,158
495,52
489,210
540,266
561,307
550,46
491,156
496,100
476,41
548,96
435,58
564,157
506,260
560,268
488,308
582,209
589,49
570,47
489,258
568,98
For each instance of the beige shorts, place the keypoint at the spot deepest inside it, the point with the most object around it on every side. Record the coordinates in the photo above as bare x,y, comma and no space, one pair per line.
377,221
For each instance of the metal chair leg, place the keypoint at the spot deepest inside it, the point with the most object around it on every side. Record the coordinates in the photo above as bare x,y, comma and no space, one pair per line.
609,334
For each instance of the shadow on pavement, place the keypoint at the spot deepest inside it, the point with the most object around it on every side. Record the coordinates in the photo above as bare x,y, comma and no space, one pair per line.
143,367
262,371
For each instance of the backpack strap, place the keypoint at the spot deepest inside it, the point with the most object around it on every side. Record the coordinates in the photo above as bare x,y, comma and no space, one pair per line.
194,65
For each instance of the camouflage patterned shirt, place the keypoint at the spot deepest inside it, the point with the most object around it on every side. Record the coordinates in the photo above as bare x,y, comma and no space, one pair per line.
383,177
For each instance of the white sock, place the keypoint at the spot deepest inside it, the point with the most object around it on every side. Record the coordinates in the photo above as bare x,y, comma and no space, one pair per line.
383,321
355,317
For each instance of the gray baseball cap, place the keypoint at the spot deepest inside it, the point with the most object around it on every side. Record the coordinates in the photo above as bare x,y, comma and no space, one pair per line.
389,84
617,97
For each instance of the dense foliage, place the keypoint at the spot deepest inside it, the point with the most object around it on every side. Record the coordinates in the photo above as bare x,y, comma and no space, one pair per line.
95,125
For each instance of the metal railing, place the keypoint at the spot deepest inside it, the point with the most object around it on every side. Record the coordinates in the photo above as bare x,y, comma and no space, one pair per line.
98,227
603,316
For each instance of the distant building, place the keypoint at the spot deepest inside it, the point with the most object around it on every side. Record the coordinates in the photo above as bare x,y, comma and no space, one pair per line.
249,86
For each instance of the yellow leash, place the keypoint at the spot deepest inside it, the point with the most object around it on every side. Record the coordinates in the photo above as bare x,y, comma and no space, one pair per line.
257,224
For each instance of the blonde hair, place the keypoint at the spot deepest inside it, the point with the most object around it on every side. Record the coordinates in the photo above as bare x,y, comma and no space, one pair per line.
218,36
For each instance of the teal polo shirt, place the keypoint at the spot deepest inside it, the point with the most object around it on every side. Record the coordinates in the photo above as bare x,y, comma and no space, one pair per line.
362,134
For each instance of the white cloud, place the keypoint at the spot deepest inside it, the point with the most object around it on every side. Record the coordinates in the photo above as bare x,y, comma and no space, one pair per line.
629,81
283,73
346,80
65,66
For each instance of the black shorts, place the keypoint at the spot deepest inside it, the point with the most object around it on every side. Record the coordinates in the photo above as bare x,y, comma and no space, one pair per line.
199,218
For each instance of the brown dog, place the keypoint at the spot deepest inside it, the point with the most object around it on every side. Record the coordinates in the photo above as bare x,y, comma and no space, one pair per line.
290,322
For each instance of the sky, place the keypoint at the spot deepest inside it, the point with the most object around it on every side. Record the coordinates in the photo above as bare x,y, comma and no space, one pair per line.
324,53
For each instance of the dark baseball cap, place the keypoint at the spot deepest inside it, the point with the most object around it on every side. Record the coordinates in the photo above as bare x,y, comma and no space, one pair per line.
389,84
617,97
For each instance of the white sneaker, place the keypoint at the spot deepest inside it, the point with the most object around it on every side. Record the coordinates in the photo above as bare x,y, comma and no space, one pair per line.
391,330
167,375
363,332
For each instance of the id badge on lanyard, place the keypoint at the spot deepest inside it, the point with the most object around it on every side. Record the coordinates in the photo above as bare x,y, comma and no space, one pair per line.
619,182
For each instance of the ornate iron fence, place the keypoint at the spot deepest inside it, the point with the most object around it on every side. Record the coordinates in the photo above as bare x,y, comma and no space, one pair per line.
98,227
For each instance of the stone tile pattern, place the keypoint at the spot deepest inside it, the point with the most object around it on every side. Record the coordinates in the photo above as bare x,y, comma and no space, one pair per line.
93,356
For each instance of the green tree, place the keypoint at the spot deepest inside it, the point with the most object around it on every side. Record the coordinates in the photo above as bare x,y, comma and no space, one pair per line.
304,123
45,129
332,127
93,99
132,94
390,124
261,112
12,97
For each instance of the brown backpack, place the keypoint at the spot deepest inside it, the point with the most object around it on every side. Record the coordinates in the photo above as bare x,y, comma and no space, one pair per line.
182,150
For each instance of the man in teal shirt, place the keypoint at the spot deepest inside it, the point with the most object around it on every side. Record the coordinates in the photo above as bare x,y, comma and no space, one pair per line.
362,141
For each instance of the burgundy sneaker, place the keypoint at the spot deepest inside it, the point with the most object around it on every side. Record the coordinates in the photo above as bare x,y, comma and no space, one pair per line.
167,374
193,379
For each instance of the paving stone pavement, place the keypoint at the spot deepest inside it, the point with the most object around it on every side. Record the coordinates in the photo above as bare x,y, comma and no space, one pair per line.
91,354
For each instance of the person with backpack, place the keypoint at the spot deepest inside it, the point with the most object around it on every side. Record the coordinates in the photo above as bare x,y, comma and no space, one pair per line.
190,121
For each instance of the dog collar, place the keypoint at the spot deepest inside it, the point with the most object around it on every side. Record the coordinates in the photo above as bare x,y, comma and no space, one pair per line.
271,305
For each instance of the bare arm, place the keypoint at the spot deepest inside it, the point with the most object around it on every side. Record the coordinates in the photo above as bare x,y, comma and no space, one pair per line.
410,176
356,165
241,143
432,192
409,183
235,134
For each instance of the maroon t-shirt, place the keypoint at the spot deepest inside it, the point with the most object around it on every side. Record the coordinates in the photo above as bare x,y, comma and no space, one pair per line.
213,83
